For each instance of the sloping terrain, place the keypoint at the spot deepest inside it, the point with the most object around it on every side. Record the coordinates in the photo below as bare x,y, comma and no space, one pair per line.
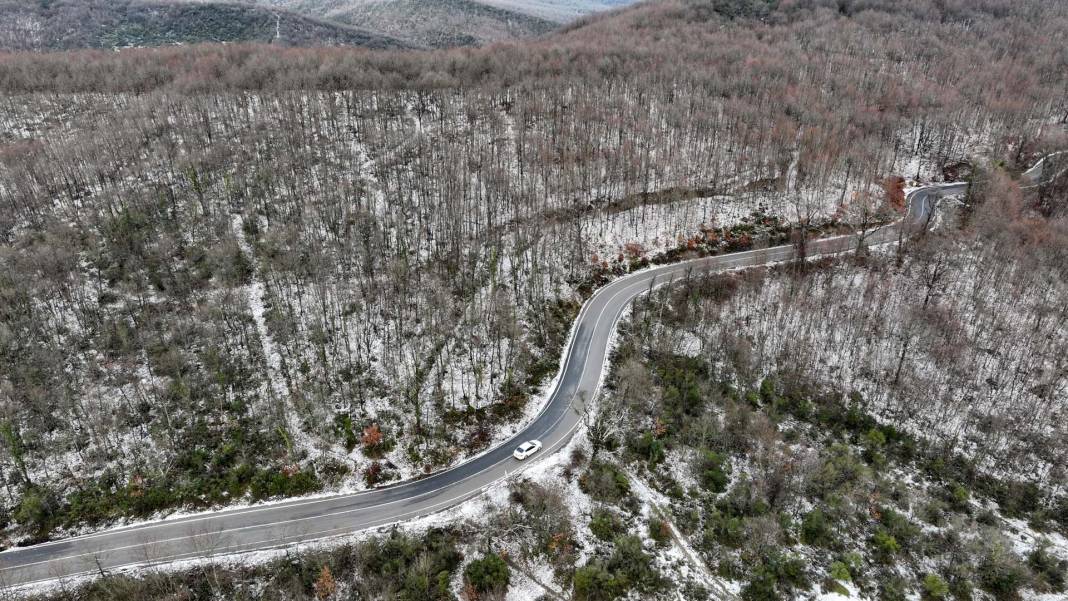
71,24
74,24
444,23
231,273
434,23
561,11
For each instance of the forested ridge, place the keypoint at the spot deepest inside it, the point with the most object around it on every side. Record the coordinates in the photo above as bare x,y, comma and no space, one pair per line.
45,25
236,272
51,25
437,23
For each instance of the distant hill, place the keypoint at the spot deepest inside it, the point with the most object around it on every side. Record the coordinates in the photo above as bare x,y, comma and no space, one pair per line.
560,11
70,24
441,23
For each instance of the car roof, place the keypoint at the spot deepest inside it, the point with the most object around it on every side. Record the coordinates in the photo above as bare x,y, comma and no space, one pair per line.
527,444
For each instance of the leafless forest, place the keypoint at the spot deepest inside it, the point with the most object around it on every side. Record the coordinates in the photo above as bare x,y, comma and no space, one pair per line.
884,424
961,340
229,273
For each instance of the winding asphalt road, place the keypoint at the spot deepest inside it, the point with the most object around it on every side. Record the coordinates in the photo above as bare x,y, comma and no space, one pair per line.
287,523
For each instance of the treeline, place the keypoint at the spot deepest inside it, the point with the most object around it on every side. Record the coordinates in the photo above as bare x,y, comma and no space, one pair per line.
878,34
51,25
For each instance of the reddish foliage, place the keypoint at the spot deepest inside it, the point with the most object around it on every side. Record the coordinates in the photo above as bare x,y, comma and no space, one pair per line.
659,428
373,473
895,191
324,586
372,436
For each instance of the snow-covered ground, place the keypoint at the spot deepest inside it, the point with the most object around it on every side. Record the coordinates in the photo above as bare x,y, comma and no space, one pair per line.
379,348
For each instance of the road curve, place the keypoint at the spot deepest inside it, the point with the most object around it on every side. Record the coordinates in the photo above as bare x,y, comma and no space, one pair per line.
302,520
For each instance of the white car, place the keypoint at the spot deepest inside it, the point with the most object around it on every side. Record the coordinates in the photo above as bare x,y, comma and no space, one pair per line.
527,449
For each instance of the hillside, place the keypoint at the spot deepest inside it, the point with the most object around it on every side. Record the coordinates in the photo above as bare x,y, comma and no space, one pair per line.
236,273
559,11
72,24
442,23
75,24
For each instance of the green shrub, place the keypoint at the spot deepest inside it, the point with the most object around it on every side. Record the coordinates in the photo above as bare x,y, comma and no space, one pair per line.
743,501
775,577
687,520
1048,568
752,398
793,403
605,482
343,428
791,572
959,577
854,561
761,586
958,498
605,524
35,510
426,585
631,565
934,512
886,546
730,568
1000,573
488,574
899,527
768,393
934,587
874,443
683,380
649,448
816,529
593,583
1059,511
839,472
332,471
893,588
274,483
874,439
840,571
659,531
724,529
1015,499
713,471
421,567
